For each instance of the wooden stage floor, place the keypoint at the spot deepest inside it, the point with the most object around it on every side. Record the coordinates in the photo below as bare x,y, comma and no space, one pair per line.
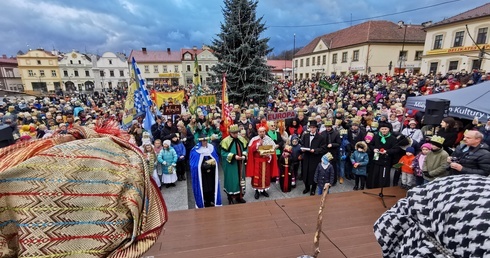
277,228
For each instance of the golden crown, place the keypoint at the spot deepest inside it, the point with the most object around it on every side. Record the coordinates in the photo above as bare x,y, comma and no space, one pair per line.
437,139
343,131
329,156
234,129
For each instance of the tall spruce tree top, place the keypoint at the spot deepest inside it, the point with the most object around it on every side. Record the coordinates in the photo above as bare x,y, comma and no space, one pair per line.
242,54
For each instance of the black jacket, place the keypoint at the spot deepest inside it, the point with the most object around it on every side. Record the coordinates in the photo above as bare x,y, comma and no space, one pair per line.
474,161
332,137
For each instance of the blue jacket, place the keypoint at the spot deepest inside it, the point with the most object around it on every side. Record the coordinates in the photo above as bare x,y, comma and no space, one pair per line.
169,157
363,159
179,149
323,176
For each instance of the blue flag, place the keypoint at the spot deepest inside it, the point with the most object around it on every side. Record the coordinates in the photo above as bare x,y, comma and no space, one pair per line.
142,100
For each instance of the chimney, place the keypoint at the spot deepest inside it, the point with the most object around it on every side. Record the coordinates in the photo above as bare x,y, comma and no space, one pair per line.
168,50
144,50
4,56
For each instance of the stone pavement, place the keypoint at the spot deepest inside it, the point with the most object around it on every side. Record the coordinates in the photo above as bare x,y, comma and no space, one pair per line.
180,197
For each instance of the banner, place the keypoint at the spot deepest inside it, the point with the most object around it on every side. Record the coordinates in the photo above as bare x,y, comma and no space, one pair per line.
129,109
281,115
172,110
206,100
164,96
326,85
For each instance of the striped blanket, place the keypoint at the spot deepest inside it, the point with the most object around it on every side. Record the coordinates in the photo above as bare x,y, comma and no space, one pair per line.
83,194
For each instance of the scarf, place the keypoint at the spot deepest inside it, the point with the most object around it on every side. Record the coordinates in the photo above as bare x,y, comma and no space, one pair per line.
383,138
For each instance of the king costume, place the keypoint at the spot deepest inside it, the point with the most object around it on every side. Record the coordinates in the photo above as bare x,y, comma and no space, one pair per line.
261,168
205,176
233,169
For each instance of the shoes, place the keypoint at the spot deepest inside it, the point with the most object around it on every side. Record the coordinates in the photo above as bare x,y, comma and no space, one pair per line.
167,186
362,188
256,195
183,177
173,184
306,191
241,200
179,178
355,188
312,193
341,180
230,200
334,184
264,193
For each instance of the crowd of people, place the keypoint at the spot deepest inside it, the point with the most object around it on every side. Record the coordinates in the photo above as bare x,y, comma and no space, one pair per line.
361,131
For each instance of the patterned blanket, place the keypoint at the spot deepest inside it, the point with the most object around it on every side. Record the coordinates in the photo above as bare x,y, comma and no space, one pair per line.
83,194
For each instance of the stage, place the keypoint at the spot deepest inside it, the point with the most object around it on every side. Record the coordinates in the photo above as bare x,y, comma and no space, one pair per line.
277,228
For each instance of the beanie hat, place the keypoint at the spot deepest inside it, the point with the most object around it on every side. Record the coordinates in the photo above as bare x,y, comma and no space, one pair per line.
369,136
167,142
426,145
410,149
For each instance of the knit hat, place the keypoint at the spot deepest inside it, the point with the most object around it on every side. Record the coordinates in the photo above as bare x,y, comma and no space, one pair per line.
369,136
167,142
426,145
410,149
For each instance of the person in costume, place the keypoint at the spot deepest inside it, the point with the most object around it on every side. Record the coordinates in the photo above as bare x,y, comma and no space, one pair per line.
204,172
286,169
168,158
261,167
384,146
233,155
277,138
313,148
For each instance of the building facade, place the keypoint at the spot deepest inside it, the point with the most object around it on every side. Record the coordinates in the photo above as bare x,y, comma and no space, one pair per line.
76,72
159,68
111,71
281,69
10,78
39,70
457,43
369,47
205,61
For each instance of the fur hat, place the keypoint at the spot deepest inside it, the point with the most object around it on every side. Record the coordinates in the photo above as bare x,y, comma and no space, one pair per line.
361,145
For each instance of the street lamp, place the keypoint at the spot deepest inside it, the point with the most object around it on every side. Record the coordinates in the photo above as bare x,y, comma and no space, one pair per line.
402,24
292,58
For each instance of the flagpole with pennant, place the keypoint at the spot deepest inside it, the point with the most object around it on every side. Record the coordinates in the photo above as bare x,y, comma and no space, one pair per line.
142,100
225,108
196,90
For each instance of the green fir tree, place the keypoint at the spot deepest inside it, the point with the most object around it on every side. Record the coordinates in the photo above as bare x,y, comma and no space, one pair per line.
242,53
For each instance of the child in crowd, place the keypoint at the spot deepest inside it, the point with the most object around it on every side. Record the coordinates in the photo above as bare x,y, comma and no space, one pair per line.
168,158
324,173
295,158
406,168
418,161
151,160
180,151
360,160
285,168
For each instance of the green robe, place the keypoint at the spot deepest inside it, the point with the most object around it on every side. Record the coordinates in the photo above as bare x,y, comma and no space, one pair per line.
233,171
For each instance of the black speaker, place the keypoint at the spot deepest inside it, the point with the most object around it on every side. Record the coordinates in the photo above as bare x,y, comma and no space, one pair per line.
6,136
436,110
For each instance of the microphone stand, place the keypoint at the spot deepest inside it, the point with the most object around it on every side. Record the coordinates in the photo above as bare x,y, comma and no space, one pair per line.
380,194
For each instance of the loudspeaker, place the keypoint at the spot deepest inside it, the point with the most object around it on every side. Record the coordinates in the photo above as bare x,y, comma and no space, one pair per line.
436,110
6,136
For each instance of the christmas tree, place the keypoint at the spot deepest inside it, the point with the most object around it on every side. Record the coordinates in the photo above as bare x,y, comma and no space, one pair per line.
242,53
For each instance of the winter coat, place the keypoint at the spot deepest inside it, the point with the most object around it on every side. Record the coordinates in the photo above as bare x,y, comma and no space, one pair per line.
474,161
449,135
169,156
363,159
324,175
332,137
435,164
417,167
179,149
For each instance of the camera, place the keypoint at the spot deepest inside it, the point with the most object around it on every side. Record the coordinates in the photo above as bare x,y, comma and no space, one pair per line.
455,159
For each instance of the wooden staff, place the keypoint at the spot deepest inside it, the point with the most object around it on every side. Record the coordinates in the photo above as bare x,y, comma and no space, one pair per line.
316,240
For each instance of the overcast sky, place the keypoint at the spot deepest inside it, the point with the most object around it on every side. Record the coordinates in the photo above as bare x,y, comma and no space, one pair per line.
97,26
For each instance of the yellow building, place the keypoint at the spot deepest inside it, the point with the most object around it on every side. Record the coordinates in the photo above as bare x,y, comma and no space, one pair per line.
369,47
449,45
39,71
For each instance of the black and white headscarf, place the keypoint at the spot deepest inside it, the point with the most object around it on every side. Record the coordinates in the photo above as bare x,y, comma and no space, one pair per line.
449,217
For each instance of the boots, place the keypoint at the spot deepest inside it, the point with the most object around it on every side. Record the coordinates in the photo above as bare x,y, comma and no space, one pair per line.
183,177
341,180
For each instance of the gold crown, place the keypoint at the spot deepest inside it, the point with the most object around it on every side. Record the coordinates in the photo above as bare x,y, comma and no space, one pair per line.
329,156
343,131
437,139
234,129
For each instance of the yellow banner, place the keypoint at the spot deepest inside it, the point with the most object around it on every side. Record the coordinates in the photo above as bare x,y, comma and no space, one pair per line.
169,75
165,96
457,49
129,110
206,100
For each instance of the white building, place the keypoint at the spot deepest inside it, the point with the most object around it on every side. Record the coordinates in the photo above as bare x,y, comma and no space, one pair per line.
111,71
205,59
76,72
10,78
448,44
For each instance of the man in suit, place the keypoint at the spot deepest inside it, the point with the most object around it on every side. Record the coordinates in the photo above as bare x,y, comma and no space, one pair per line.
313,145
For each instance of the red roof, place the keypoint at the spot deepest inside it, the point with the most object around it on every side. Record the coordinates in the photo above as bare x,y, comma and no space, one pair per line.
12,61
367,32
474,13
155,56
280,64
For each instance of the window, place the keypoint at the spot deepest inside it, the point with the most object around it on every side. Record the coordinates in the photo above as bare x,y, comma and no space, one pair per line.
65,73
9,73
402,56
453,65
176,68
438,42
458,39
307,61
41,73
324,59
355,55
433,67
188,68
155,68
111,73
334,58
318,60
147,68
71,61
101,73
200,68
164,68
121,73
76,73
344,57
79,62
38,62
53,73
418,55
301,63
30,73
307,75
207,68
313,59
481,38
110,61
87,73
295,63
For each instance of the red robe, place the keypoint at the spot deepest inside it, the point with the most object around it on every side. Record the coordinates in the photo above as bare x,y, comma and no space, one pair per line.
261,168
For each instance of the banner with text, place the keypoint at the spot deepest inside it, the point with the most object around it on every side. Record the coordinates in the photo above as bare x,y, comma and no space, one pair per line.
165,96
205,100
281,115
172,110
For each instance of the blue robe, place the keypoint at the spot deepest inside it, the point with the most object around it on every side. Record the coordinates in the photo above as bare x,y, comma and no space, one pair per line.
197,155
